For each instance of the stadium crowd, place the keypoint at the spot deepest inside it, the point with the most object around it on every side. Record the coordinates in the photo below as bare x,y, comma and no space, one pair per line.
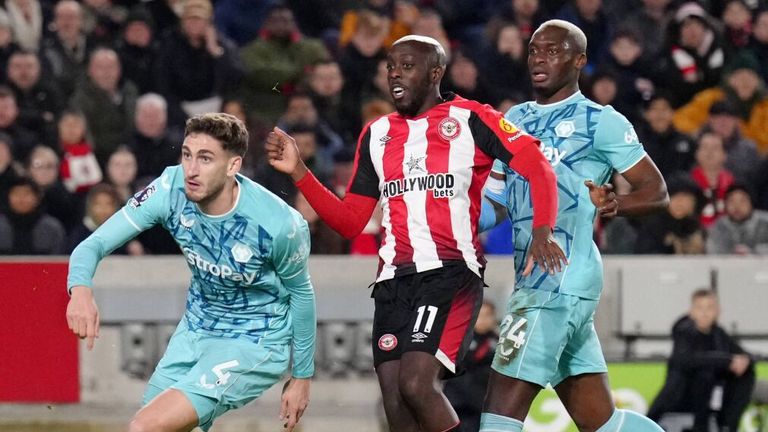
95,94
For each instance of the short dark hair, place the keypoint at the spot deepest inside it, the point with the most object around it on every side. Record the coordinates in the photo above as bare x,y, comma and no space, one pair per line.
703,292
228,129
25,181
103,189
739,186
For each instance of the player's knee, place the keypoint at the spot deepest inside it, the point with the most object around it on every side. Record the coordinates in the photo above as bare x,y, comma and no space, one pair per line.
414,386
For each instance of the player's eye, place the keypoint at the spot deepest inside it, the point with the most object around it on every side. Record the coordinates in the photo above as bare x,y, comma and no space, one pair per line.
205,159
407,65
390,67
186,156
552,51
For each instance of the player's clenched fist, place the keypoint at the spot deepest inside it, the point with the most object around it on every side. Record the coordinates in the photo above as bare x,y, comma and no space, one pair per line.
83,314
603,198
283,154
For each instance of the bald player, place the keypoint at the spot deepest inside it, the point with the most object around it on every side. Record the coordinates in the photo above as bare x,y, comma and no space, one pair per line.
547,335
426,164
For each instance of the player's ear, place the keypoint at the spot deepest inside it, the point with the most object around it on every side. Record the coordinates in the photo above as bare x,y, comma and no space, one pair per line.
234,165
437,74
581,61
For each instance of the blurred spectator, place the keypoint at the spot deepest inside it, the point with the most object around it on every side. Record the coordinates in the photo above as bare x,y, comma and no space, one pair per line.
671,150
744,90
65,51
103,20
359,60
650,23
121,172
39,102
526,15
7,45
320,18
677,230
711,176
154,144
26,20
758,46
23,139
430,23
465,19
107,102
463,78
737,18
137,48
26,229
43,169
8,170
240,20
743,230
589,16
165,13
325,83
694,59
256,135
378,88
401,15
466,392
632,71
603,89
503,65
196,66
743,158
704,357
275,63
79,168
301,112
100,204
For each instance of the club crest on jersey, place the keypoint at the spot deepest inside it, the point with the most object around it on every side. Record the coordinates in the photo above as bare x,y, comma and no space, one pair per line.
141,196
241,253
387,342
506,126
449,128
186,222
565,128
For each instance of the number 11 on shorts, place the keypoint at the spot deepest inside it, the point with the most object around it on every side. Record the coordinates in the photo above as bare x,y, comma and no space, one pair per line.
431,312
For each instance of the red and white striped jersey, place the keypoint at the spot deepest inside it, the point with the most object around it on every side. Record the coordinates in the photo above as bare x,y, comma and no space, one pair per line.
428,172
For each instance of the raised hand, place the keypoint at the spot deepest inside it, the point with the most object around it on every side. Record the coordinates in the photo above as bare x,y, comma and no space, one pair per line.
283,154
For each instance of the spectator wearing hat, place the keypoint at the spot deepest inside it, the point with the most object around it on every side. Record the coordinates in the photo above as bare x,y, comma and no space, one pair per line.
275,63
65,51
694,59
137,48
26,229
743,230
744,90
196,66
40,103
26,18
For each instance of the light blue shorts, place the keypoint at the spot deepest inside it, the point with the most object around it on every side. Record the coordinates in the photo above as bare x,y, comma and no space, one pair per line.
216,374
546,337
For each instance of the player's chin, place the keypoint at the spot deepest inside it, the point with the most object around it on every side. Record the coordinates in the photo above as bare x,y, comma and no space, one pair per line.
194,196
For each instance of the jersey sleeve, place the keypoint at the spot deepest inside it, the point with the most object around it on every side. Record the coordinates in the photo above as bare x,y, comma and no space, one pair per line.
364,179
497,136
495,189
617,141
145,209
290,255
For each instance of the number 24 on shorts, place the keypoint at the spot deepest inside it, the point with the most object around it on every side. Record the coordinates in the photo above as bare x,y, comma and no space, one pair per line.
511,336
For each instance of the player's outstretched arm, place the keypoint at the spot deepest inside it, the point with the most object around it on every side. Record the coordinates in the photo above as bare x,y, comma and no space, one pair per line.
347,216
83,314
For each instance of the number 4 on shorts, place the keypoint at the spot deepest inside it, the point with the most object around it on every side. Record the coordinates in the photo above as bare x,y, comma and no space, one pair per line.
221,375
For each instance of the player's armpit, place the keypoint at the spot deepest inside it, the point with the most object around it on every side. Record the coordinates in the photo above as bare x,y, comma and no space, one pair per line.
347,216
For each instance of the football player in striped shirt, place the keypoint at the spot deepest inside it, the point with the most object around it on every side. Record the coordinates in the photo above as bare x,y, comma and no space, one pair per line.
548,334
250,308
426,164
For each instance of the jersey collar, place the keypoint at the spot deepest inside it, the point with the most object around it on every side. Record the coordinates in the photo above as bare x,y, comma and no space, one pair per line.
569,99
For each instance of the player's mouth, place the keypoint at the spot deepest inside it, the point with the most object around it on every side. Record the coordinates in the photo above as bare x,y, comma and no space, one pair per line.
192,185
539,76
397,91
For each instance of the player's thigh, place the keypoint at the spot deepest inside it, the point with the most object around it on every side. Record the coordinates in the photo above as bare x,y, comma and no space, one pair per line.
180,356
583,353
447,302
170,410
230,373
533,332
392,313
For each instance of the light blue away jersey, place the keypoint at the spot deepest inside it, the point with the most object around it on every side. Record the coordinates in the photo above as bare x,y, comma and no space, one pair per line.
250,276
583,141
